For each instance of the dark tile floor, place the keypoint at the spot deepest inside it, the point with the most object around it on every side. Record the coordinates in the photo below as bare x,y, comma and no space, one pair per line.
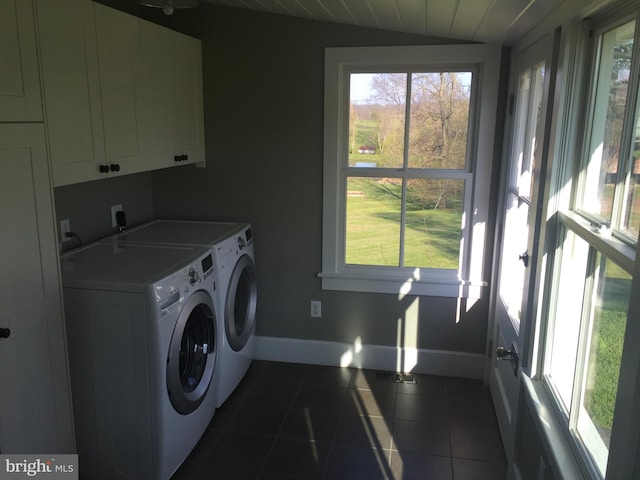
290,421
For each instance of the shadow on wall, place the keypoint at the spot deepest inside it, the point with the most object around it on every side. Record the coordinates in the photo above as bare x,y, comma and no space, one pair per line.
407,355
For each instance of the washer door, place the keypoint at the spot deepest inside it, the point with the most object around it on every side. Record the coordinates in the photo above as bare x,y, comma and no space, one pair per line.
192,353
240,306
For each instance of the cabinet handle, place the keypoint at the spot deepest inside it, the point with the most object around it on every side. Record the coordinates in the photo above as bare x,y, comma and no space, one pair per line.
115,167
104,168
5,332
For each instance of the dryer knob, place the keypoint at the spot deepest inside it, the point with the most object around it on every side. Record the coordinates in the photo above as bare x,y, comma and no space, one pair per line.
241,243
193,277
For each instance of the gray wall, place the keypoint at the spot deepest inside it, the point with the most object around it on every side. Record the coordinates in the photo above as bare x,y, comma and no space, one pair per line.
88,205
263,90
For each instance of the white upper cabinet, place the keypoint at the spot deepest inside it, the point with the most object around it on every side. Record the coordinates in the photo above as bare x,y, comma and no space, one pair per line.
171,68
19,83
71,81
189,118
117,43
111,92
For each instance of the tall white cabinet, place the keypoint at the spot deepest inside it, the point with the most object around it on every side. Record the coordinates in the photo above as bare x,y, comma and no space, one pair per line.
35,403
121,94
19,85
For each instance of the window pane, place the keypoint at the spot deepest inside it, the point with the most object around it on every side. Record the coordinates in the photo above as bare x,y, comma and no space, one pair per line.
565,328
433,223
631,219
377,108
514,244
439,120
604,352
610,99
373,221
528,110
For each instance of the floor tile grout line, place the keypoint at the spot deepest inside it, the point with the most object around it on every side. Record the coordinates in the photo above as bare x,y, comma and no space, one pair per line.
284,420
447,403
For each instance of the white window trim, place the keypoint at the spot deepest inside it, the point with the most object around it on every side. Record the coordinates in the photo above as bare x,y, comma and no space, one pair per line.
470,280
568,460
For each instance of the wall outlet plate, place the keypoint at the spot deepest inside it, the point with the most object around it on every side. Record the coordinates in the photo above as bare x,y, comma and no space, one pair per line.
115,209
316,308
65,227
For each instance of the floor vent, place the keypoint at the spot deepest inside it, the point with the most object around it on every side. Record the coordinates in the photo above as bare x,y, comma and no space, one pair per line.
395,377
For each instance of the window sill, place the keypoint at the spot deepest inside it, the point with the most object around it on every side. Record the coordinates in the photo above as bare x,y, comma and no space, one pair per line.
401,285
558,450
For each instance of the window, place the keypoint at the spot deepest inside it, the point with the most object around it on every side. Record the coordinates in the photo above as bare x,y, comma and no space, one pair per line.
611,160
592,269
407,168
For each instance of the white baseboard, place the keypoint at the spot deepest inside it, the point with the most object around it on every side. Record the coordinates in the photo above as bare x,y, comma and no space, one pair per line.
375,357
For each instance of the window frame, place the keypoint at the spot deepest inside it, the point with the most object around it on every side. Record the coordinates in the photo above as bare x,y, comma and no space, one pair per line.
598,29
565,215
469,280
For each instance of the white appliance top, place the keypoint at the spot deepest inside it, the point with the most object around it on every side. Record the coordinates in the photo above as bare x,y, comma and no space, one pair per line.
125,268
179,232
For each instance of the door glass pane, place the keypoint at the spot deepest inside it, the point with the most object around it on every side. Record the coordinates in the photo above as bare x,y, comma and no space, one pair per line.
610,102
377,108
514,245
516,223
520,129
526,128
373,221
569,289
603,347
439,119
525,183
433,223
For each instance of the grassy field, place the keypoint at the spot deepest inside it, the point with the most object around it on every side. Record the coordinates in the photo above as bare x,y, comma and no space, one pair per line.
606,350
432,236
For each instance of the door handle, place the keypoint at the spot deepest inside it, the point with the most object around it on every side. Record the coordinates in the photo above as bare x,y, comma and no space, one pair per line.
5,332
511,355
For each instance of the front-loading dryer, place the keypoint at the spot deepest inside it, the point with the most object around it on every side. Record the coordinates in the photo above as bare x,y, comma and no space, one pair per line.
236,269
232,245
142,339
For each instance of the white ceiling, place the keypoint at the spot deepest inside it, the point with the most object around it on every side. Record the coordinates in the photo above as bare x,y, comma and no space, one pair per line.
491,21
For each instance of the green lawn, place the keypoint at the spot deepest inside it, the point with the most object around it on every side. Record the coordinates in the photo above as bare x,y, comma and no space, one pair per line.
606,350
432,237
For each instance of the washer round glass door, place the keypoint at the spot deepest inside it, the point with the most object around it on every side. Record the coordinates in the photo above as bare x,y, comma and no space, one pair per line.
240,306
192,353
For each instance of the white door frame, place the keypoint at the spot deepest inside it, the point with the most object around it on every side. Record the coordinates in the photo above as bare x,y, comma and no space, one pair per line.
506,387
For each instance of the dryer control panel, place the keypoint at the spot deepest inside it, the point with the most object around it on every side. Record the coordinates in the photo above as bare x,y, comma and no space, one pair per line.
173,288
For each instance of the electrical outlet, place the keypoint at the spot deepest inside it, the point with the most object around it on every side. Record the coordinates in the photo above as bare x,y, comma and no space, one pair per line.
65,226
115,209
316,308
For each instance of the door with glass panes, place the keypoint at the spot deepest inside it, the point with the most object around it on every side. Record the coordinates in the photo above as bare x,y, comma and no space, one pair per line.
518,227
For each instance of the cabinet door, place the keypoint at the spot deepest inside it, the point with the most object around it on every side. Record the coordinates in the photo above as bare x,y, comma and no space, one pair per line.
71,89
117,42
188,119
157,96
19,83
35,404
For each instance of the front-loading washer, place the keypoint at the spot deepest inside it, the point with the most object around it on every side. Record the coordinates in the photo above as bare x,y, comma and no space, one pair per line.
142,340
232,245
